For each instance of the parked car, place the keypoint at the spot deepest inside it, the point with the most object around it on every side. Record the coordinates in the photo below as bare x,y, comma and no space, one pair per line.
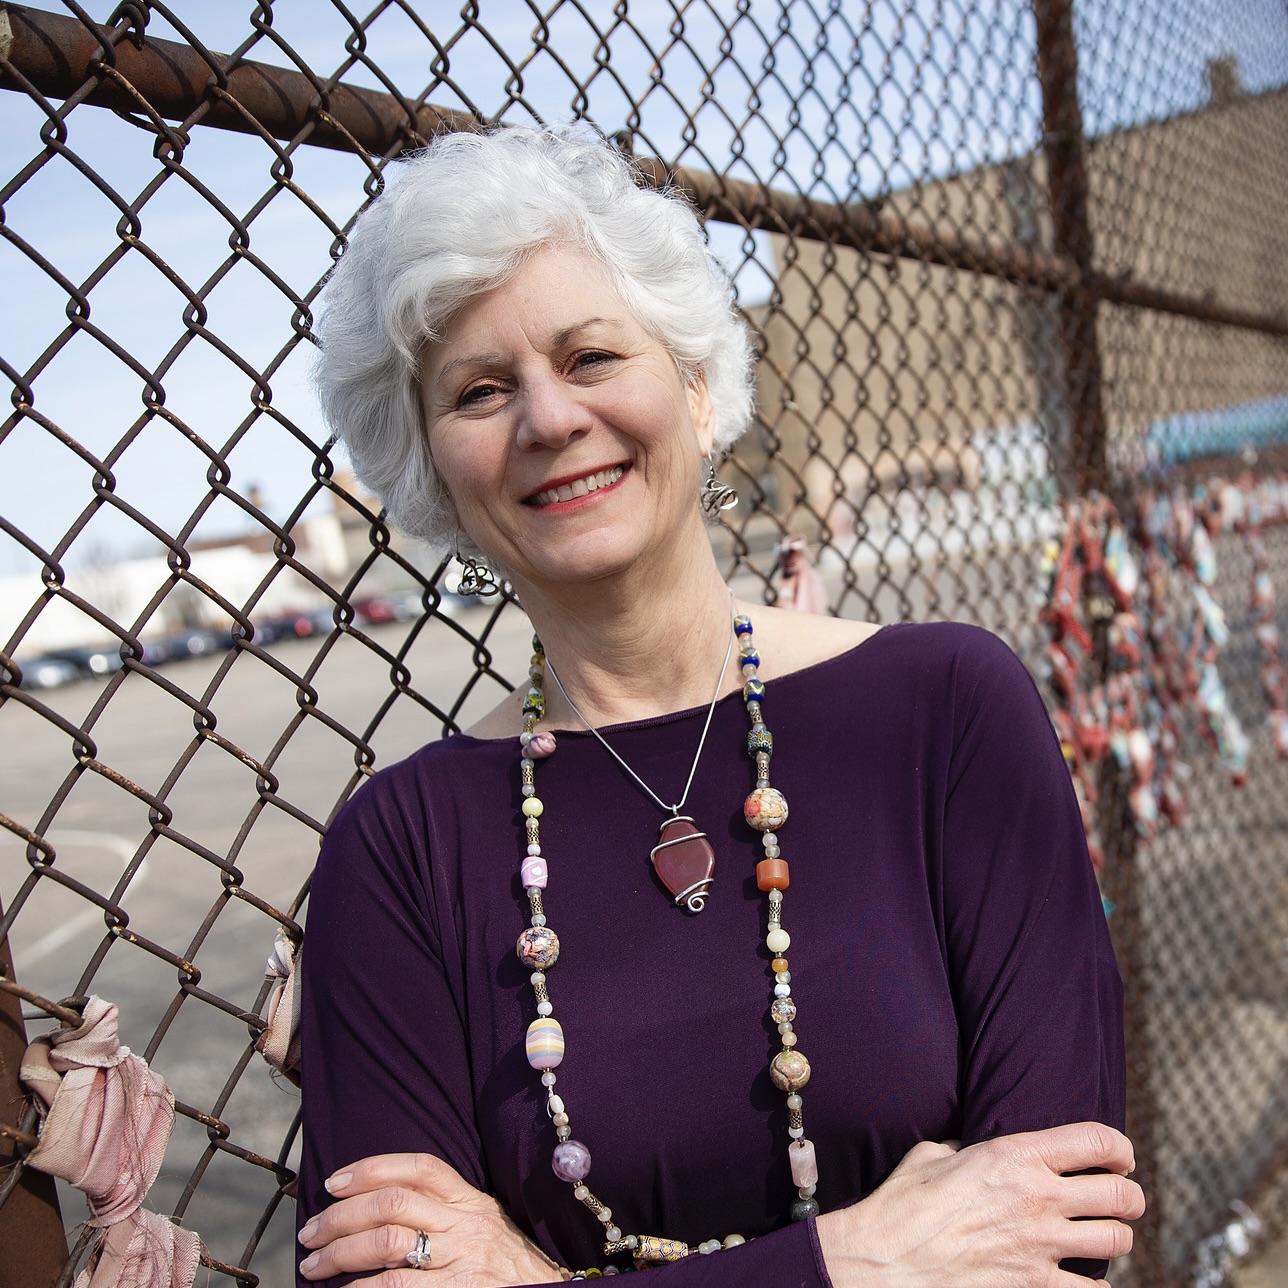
45,672
101,659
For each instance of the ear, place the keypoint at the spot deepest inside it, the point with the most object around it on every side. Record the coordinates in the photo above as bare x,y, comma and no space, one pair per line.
701,412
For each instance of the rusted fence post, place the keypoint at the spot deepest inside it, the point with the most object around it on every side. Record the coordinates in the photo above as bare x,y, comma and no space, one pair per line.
33,1247
1086,466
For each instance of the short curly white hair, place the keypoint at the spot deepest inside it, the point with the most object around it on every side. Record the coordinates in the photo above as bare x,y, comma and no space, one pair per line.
462,218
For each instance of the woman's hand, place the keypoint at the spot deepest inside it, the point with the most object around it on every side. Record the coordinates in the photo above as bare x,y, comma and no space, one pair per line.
999,1214
384,1201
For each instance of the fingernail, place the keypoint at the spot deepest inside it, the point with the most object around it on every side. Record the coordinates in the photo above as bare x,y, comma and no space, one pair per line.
307,1230
337,1182
308,1263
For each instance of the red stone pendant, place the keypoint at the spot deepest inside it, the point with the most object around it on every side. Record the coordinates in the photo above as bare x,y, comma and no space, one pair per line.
684,862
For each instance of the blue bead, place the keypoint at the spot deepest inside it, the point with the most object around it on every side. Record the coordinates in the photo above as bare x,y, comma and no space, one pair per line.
753,690
749,659
742,625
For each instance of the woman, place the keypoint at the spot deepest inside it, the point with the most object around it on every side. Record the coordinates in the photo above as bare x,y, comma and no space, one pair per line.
532,357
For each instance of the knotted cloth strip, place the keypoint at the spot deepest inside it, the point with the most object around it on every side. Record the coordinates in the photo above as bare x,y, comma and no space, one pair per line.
279,1043
107,1120
803,588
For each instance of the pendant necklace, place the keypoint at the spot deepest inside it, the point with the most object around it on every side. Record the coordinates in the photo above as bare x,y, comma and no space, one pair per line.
765,811
683,857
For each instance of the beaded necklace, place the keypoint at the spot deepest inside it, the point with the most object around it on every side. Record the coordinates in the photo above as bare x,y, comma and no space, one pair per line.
765,810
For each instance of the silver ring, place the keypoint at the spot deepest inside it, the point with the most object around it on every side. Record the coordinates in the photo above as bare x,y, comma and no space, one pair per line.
419,1257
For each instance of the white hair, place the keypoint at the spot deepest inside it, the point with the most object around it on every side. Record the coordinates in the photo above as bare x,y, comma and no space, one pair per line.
462,218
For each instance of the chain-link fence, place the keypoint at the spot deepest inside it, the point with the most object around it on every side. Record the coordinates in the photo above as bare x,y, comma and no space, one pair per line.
997,256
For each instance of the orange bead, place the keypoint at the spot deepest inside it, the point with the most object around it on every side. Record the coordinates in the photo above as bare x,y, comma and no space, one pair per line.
779,963
771,874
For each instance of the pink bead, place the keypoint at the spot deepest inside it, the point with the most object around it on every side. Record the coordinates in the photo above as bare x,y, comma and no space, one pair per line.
804,1164
539,746
534,872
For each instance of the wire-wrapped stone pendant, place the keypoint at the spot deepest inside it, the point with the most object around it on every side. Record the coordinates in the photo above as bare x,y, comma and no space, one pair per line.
684,862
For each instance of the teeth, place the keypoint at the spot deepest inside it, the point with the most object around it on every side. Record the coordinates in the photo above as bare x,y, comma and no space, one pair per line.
579,487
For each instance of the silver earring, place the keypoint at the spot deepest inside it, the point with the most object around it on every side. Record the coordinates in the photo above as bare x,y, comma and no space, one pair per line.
715,496
476,578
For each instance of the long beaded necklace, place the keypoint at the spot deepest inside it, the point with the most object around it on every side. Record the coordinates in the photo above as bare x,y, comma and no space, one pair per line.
765,810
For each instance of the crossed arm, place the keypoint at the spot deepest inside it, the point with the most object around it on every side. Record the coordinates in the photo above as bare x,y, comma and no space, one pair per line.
999,1214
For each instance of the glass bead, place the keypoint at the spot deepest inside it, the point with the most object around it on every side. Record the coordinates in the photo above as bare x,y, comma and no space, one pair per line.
544,1043
794,1101
789,1071
529,789
612,1234
555,1104
545,1008
733,1240
742,624
534,872
605,1214
753,689
571,1161
559,1120
548,1078
807,1191
537,977
802,1209
759,739
778,965
538,948
581,1192
525,737
789,1039
783,976
750,658
534,701
782,990
785,1026
562,1133
532,806
778,940
796,1132
534,849
538,918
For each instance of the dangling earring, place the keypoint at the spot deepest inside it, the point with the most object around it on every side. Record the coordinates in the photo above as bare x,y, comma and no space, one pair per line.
715,496
476,577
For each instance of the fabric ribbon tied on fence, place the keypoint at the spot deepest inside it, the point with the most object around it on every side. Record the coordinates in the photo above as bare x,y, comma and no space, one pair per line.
107,1119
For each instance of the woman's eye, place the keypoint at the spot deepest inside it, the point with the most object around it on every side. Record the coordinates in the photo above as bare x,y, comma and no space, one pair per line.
477,393
592,358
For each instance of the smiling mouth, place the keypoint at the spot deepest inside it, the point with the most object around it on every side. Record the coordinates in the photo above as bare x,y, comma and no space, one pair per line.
578,487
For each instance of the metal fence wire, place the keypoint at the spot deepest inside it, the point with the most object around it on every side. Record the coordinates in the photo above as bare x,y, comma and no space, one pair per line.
998,256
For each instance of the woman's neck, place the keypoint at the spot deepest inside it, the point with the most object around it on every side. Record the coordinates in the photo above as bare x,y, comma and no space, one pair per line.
630,649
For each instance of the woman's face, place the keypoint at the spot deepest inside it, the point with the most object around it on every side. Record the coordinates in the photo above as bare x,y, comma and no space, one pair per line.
565,436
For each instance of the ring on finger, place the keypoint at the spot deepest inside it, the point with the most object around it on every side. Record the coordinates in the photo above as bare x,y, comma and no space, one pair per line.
419,1257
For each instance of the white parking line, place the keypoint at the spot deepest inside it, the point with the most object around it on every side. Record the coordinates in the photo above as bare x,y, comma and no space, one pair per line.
50,942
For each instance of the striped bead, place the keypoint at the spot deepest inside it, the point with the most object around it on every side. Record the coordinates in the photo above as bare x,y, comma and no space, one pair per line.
545,1044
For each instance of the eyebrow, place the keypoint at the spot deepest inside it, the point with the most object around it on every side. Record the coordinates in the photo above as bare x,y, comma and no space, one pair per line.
489,361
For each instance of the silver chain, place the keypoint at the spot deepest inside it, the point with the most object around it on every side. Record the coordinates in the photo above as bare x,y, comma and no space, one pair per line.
702,742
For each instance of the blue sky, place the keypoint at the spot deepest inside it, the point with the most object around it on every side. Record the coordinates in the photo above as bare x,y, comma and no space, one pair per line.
849,99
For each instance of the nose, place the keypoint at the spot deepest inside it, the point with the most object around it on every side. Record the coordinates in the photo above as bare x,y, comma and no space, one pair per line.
551,412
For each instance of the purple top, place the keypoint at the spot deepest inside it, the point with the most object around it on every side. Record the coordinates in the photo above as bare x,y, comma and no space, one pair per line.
950,960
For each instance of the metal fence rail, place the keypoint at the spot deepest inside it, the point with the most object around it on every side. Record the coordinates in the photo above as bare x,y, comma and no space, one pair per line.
997,256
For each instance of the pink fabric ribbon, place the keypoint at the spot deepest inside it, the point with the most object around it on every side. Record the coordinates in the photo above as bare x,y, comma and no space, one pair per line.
107,1120
803,588
279,1043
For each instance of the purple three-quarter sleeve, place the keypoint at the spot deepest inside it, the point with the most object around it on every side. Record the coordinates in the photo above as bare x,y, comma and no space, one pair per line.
950,962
